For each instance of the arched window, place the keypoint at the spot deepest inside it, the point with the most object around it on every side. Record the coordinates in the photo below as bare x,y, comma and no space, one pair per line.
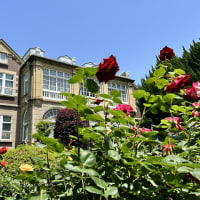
50,115
25,127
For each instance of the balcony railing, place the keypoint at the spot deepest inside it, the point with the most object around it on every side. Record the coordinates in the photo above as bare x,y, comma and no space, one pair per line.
6,91
53,95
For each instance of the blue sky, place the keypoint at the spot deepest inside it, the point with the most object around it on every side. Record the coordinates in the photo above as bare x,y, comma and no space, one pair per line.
132,30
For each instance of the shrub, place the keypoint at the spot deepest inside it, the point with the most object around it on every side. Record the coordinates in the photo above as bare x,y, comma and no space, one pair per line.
44,127
66,122
24,154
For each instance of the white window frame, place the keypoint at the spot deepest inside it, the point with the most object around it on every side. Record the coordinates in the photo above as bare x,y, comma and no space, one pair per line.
55,93
3,88
25,126
26,83
3,58
1,126
119,87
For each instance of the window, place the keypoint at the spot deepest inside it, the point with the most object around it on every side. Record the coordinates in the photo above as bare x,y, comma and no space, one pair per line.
3,58
84,91
54,83
50,115
5,127
119,87
26,83
25,127
6,84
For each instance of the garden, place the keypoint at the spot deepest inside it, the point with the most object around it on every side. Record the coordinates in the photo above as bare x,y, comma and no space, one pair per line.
116,157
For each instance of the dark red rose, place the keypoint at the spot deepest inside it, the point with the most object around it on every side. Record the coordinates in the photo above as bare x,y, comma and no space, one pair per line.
3,163
166,53
98,101
3,150
124,108
179,83
107,69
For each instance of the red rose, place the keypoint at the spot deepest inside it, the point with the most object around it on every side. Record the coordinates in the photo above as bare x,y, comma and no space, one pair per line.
166,53
179,83
168,148
3,163
107,69
3,150
124,108
98,101
175,120
193,92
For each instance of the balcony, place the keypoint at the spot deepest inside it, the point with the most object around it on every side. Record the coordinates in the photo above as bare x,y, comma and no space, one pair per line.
52,95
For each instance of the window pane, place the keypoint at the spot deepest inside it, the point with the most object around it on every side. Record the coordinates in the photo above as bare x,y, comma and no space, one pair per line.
60,74
6,127
46,71
67,76
6,119
52,73
52,83
0,83
9,84
9,76
6,135
1,75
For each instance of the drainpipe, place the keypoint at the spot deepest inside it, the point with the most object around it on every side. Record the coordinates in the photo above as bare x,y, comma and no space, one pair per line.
28,102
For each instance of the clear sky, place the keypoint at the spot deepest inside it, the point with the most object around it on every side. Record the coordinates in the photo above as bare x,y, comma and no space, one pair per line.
132,30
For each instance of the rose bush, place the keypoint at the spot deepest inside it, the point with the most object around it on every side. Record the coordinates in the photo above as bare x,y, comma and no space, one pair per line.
124,160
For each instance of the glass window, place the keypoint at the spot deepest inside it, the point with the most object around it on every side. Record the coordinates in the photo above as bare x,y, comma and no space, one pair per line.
55,82
25,127
121,88
5,127
26,83
6,83
2,57
84,91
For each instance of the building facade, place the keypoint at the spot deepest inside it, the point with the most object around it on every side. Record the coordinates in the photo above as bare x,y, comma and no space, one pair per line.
37,85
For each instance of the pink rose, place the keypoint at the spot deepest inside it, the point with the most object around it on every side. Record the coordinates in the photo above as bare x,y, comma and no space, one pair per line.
124,108
195,113
179,83
196,105
193,92
175,120
144,130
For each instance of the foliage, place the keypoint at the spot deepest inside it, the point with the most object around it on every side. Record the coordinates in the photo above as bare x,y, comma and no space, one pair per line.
24,154
44,127
65,127
125,161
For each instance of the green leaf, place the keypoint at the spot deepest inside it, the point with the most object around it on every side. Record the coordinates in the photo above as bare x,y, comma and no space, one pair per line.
106,96
153,109
116,112
90,71
115,93
169,97
81,100
99,182
93,190
163,107
138,94
91,85
179,71
161,83
98,108
95,117
114,155
111,190
196,173
73,168
159,72
88,158
117,100
150,80
100,128
78,77
126,147
69,103
91,172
